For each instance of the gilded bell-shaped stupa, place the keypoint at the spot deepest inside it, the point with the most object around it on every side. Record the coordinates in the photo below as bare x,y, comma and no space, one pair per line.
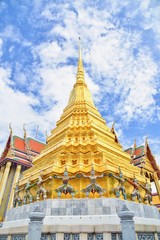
83,157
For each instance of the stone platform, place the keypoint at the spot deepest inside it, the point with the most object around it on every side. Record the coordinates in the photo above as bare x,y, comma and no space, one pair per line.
82,216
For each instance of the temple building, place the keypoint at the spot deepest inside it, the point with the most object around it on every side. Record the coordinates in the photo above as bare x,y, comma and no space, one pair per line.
81,177
143,158
15,159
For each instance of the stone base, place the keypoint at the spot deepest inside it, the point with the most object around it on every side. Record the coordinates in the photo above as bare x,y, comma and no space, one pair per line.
82,216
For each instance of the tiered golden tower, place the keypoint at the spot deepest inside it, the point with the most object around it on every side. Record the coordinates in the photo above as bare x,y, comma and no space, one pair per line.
83,157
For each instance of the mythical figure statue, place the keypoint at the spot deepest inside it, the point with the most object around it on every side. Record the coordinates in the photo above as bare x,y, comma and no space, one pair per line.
148,194
135,193
41,190
17,199
120,187
93,186
65,187
28,195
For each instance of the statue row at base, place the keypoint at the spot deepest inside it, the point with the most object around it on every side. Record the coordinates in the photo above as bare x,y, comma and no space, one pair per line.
93,187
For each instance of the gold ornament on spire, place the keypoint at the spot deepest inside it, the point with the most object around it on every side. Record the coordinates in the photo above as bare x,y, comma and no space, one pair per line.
80,70
80,92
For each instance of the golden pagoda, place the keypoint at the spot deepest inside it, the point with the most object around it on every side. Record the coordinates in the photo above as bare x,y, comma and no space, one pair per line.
82,158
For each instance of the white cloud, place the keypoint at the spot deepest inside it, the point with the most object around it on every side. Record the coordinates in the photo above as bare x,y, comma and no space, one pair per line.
139,99
13,33
147,12
16,108
125,74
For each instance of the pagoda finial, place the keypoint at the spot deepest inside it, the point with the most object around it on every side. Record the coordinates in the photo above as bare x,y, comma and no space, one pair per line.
25,133
80,50
80,70
10,127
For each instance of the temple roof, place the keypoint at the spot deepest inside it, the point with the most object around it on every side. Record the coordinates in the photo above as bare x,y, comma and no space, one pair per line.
21,150
139,154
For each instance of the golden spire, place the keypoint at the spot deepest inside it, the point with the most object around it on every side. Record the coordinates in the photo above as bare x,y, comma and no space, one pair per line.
80,70
80,50
80,94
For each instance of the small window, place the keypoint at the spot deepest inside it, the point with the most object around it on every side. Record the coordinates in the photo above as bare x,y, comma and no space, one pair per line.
67,236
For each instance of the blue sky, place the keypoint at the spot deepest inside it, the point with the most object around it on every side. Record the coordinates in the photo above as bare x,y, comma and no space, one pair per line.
121,54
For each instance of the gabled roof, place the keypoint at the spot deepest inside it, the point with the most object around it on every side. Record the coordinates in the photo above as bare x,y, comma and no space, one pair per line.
21,150
152,160
139,153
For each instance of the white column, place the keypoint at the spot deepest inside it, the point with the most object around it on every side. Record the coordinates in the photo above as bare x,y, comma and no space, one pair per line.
157,184
35,224
16,177
107,236
1,173
83,236
4,180
156,236
59,236
127,223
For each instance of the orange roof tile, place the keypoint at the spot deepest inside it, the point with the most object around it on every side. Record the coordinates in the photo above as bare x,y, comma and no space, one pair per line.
21,150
